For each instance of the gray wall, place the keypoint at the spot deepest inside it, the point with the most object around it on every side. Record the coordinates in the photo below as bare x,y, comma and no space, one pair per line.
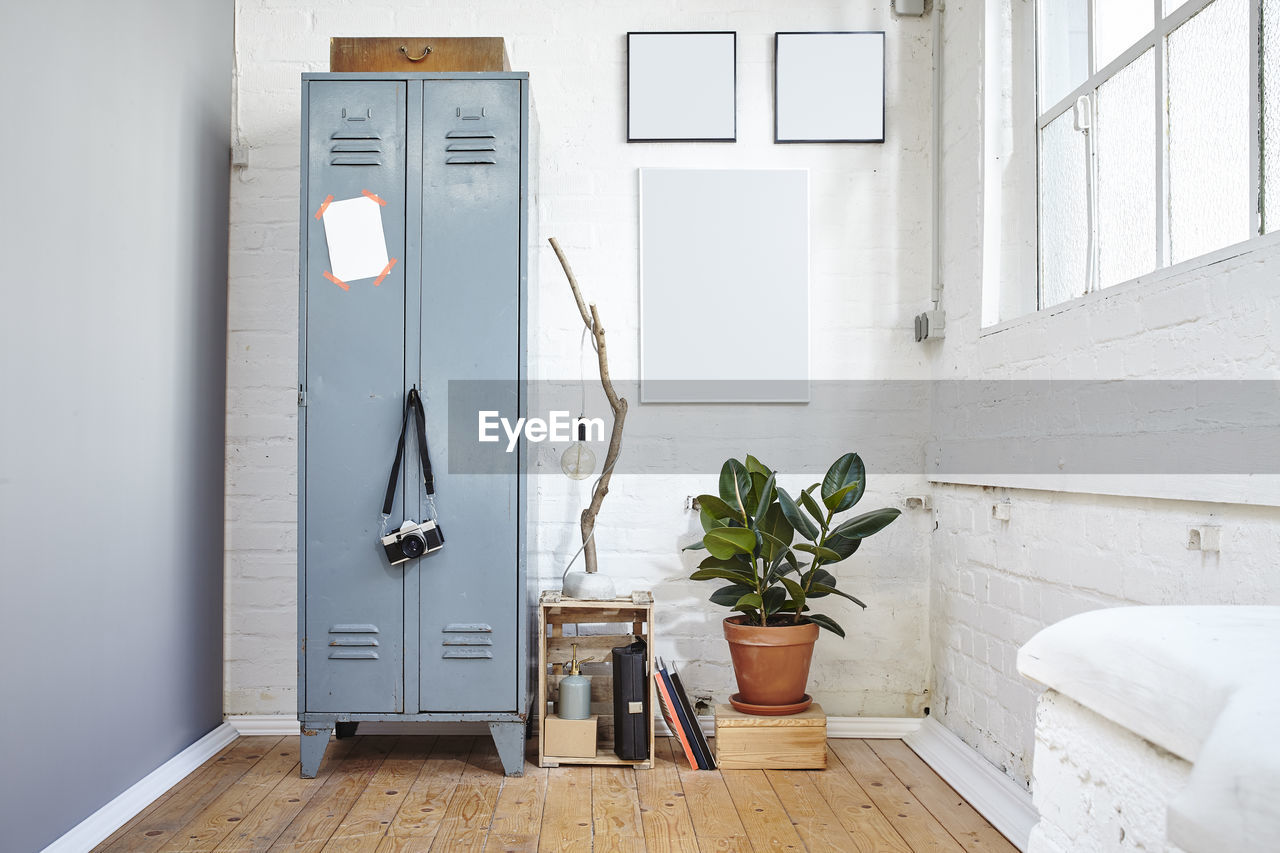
113,245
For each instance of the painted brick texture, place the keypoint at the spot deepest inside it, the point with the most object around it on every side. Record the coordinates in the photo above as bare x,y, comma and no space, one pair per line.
870,250
995,583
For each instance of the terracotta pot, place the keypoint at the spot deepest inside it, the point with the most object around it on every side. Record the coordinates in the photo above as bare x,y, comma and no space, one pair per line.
771,664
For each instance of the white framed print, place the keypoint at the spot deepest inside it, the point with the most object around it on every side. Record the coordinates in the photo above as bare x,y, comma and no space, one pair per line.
829,87
682,87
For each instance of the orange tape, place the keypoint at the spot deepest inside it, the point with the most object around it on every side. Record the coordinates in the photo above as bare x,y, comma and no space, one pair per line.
385,271
374,197
336,281
324,205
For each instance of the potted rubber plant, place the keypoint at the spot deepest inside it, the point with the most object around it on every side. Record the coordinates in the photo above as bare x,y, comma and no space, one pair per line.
774,551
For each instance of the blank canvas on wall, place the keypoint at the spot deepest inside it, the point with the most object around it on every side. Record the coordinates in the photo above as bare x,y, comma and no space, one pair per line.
829,87
724,285
682,87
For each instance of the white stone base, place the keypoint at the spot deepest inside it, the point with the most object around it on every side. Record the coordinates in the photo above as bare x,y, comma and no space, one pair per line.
1098,786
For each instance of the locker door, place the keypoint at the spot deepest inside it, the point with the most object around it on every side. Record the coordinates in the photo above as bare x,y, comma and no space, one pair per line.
355,387
470,331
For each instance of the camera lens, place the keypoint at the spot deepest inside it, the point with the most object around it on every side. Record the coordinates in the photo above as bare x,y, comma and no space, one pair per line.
413,545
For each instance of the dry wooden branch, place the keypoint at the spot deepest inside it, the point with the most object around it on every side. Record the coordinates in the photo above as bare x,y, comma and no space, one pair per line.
591,318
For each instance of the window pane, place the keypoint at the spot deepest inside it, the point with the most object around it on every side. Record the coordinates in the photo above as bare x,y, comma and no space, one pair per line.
1271,113
1064,48
1117,24
1125,157
1064,220
1209,130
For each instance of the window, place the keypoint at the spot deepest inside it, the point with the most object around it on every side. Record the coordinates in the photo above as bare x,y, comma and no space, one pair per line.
1154,121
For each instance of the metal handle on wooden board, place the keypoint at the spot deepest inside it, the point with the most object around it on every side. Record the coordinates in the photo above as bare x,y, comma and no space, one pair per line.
405,50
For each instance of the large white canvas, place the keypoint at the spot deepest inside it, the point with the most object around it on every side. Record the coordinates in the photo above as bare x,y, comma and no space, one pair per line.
829,87
724,285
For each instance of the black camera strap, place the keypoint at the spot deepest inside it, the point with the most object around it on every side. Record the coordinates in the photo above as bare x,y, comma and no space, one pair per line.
412,403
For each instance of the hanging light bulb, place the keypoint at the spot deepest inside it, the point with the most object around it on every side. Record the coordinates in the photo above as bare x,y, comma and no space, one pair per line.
578,461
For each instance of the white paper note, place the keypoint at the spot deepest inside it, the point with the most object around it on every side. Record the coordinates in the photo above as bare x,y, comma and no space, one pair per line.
357,244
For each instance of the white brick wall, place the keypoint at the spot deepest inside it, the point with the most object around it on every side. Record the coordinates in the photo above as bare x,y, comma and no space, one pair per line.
996,583
869,276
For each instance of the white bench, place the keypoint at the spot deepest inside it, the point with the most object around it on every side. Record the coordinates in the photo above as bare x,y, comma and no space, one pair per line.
1158,730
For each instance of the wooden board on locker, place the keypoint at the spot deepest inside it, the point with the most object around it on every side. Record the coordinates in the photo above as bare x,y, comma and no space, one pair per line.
395,53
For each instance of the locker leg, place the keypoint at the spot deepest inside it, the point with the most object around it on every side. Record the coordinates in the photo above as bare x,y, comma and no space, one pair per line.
314,741
509,739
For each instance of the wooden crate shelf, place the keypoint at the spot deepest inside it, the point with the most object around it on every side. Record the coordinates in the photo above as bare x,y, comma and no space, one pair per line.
626,619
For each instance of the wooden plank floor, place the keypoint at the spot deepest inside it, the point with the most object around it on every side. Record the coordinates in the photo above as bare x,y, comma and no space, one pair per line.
384,793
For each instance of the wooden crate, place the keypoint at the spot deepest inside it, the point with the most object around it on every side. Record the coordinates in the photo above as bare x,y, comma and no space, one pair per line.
747,742
407,54
624,619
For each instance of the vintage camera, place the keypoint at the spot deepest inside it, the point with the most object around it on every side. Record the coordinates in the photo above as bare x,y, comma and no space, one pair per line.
413,540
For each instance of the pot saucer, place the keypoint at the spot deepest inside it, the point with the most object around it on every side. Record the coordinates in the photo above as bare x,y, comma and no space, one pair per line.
770,710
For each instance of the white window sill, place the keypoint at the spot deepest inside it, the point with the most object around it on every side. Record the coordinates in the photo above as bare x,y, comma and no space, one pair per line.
1262,246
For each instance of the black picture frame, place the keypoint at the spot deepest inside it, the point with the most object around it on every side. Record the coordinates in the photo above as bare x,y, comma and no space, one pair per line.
781,93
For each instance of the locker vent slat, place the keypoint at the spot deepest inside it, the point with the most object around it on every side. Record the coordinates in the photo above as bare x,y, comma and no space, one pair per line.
469,134
468,653
470,146
355,160
354,641
356,146
352,134
347,654
467,641
353,628
474,160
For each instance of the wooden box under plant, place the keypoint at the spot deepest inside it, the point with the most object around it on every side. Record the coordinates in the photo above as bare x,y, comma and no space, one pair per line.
794,742
597,627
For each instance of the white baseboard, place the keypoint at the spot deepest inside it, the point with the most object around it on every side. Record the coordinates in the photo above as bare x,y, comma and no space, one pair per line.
857,727
994,795
98,826
840,727
277,725
873,727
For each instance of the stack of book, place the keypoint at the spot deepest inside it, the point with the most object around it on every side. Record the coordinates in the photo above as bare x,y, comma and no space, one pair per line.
678,713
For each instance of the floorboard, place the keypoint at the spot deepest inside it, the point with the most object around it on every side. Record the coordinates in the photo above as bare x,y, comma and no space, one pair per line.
309,832
949,808
664,810
415,825
912,820
220,817
715,819
517,818
615,809
262,826
767,823
190,801
566,818
867,826
412,794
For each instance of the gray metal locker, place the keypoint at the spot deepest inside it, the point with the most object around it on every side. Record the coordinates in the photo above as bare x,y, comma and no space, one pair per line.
444,637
